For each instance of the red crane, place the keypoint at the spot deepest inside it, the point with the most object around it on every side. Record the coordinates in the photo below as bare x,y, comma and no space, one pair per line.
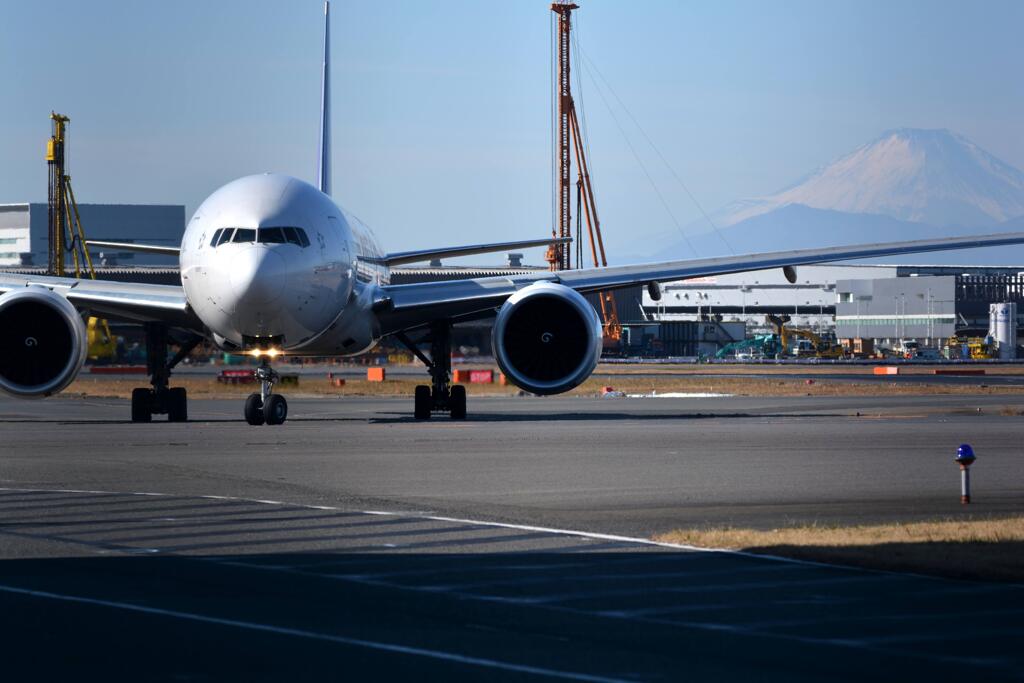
569,144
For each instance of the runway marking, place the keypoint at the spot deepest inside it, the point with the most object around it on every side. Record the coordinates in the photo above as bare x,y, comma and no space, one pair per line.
610,539
631,540
313,635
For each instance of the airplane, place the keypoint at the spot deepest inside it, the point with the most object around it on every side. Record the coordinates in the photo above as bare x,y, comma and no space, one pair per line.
271,265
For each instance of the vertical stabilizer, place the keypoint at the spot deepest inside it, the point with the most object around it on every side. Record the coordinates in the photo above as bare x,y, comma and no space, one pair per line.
324,163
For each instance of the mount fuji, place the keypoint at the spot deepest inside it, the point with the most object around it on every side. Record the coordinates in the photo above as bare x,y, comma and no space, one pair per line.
907,184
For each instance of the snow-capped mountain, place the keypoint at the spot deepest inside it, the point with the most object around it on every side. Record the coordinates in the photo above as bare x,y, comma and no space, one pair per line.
921,176
907,184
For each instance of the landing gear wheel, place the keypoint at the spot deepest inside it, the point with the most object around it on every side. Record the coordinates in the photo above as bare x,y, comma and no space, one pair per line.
458,402
142,400
423,402
275,410
254,409
177,405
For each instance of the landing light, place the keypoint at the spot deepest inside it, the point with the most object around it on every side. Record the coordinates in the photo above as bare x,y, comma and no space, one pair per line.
269,353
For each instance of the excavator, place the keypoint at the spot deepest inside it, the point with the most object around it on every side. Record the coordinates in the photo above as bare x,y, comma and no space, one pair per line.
766,345
818,346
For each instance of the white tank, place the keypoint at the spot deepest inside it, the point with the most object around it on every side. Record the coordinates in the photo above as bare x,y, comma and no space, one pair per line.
1003,329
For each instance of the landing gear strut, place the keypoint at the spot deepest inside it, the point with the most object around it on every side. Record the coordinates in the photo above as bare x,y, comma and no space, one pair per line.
441,396
161,399
266,407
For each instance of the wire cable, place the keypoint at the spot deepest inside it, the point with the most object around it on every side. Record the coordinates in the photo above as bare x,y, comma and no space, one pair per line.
591,65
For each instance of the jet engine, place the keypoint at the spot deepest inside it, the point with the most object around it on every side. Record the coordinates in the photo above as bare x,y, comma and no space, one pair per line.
42,342
547,338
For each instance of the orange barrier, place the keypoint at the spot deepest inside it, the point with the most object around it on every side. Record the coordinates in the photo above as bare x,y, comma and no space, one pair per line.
375,374
481,376
503,380
236,377
336,381
887,370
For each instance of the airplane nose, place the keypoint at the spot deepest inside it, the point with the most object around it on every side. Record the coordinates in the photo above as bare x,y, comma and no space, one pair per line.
258,275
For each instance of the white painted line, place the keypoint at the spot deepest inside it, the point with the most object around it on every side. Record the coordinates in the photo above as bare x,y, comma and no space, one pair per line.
313,635
525,527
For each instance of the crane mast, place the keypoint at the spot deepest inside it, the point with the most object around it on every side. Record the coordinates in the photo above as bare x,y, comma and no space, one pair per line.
570,143
65,231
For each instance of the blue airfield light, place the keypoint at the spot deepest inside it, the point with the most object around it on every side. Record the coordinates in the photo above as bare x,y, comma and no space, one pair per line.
965,454
964,457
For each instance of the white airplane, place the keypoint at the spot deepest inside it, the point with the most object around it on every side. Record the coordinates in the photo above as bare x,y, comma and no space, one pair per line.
272,265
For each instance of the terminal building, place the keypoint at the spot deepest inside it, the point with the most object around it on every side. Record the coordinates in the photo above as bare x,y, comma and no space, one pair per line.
885,303
24,233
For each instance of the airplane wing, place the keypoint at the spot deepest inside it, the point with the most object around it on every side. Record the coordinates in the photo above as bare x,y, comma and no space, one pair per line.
132,246
405,307
130,301
403,257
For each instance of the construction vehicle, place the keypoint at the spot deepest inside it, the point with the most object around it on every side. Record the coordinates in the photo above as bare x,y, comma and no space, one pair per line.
808,343
858,347
66,235
765,346
973,348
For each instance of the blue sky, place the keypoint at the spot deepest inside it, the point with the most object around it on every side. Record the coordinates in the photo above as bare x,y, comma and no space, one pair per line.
441,110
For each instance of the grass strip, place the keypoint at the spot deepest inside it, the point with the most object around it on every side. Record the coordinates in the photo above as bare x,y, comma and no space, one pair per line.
989,549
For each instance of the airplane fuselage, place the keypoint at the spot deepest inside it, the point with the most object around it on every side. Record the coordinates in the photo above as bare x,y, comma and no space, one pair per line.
269,261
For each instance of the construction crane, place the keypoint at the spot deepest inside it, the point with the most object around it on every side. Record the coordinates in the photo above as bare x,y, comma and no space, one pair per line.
66,234
570,143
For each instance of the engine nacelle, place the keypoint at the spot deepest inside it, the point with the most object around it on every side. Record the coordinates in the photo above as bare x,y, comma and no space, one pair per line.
547,338
42,342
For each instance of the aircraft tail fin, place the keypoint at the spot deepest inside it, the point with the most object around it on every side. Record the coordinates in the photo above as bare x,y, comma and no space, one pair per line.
324,162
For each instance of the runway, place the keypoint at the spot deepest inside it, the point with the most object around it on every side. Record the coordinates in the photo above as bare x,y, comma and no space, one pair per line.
354,542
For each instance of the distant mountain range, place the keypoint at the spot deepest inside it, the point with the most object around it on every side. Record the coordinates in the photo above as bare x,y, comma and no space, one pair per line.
907,184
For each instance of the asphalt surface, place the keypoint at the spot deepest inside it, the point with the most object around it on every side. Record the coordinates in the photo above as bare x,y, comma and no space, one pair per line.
354,543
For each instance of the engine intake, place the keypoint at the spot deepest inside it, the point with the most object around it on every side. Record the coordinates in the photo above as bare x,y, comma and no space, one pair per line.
42,342
547,338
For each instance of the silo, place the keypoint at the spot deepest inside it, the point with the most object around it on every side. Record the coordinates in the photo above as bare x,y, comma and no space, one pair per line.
1003,321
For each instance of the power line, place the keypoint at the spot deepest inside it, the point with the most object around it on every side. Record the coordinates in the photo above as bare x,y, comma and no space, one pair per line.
590,64
643,167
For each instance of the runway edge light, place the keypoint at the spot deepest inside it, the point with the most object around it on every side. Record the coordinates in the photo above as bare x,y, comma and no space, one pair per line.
965,458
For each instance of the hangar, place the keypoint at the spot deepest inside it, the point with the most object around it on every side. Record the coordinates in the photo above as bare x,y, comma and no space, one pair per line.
24,232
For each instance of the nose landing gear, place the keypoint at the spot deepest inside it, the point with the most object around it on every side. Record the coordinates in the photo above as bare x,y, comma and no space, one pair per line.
266,407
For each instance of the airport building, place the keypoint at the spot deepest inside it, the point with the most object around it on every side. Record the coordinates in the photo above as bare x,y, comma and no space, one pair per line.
24,233
885,303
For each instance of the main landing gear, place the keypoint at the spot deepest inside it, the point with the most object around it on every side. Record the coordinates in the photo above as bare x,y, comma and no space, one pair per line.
266,407
441,396
161,399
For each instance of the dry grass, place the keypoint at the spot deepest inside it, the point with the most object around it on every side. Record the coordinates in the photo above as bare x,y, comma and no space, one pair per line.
781,385
209,387
986,548
796,368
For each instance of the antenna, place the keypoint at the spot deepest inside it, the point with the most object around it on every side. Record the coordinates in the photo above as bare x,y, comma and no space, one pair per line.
323,173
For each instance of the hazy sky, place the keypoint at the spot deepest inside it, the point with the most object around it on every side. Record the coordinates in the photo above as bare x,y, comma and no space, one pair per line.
441,109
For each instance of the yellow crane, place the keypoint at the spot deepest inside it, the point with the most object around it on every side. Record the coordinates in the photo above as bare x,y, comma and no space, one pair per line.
66,233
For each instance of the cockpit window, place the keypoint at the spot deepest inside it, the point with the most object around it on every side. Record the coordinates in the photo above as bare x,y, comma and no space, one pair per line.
244,235
292,236
285,235
221,236
271,236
